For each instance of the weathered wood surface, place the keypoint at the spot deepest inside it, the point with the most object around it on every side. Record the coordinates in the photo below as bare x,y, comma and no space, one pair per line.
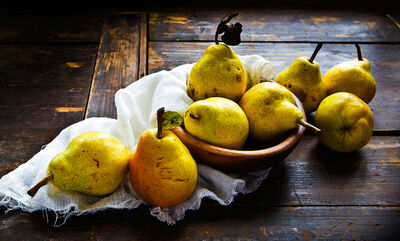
314,175
43,89
313,194
277,25
143,46
383,57
117,63
215,223
19,28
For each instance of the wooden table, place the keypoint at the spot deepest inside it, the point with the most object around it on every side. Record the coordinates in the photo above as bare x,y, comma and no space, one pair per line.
57,69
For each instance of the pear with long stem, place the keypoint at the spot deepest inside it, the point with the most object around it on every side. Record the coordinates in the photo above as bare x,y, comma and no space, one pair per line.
272,112
352,76
162,171
303,78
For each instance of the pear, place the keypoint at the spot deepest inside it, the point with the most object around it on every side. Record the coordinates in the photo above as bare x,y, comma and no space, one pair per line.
94,163
218,121
352,76
219,73
303,78
346,122
162,171
272,112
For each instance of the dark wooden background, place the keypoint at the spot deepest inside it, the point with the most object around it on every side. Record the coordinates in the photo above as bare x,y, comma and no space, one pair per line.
57,68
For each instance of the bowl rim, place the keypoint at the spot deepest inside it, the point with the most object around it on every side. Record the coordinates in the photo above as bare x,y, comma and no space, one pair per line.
292,139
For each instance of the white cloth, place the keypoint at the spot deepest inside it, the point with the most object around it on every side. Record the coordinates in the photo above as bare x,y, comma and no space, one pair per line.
136,111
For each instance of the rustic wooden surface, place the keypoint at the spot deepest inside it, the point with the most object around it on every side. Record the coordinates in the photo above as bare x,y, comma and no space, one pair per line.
43,89
56,70
277,25
20,28
117,63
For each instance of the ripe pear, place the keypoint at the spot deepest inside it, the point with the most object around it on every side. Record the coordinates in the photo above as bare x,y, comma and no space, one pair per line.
352,76
346,122
219,73
271,111
218,121
303,78
162,171
94,163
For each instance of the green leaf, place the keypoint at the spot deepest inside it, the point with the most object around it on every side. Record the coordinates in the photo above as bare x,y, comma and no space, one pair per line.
171,119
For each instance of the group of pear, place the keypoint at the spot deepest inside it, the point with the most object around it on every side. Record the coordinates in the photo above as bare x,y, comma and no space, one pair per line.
226,113
162,171
229,113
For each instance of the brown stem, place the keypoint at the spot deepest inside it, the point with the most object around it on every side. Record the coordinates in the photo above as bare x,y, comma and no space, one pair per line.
40,184
194,116
160,113
360,58
316,51
316,130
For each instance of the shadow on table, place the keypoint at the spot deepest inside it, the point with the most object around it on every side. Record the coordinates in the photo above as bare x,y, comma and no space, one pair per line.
326,161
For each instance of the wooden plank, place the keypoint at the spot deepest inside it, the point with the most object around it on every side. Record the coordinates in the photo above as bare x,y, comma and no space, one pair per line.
43,89
117,63
143,46
215,223
18,28
276,25
314,175
383,57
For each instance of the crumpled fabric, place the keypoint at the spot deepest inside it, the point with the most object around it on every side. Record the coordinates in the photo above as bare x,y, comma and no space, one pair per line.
137,105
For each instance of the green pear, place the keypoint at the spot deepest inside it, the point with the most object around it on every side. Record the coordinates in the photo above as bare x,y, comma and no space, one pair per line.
303,78
94,163
352,76
272,112
219,73
162,171
218,121
346,122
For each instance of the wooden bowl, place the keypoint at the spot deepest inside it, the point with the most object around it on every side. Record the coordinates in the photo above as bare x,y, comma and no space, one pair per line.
241,160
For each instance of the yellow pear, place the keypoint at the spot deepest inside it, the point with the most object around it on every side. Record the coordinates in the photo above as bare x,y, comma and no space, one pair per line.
303,78
218,121
271,111
219,73
162,171
352,76
94,163
346,122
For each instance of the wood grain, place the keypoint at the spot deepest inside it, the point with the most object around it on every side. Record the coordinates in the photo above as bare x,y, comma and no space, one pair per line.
20,28
117,63
383,58
43,89
314,175
143,46
276,25
215,223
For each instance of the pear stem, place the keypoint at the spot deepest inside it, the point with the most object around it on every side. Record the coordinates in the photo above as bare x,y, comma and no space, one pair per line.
40,184
319,46
316,130
360,58
160,113
194,116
